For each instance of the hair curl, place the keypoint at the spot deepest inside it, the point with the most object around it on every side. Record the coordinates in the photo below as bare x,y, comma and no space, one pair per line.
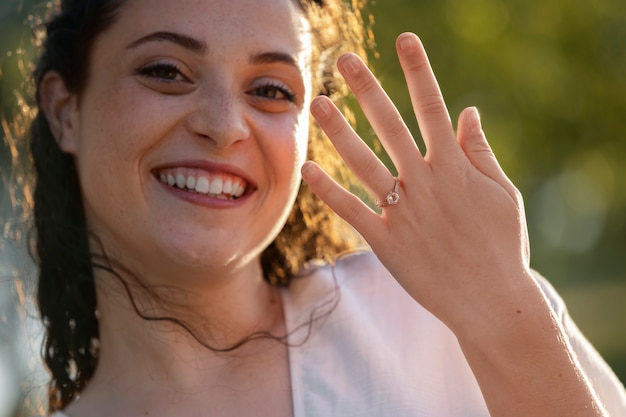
66,292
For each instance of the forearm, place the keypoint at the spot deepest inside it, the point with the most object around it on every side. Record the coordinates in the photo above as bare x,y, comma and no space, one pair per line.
523,362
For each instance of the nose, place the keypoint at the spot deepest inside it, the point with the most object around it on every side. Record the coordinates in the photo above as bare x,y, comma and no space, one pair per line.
220,118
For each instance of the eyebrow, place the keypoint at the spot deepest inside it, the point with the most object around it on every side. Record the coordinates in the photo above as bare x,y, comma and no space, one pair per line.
185,41
273,57
200,47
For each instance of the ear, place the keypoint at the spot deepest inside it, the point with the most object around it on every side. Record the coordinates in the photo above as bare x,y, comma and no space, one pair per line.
60,108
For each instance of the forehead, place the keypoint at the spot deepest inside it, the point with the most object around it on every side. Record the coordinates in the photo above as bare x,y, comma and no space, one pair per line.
224,25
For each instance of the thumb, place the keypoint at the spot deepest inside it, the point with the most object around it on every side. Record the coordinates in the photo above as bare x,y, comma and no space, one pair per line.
472,140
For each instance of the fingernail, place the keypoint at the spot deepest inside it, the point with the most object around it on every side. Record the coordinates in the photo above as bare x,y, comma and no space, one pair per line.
349,65
308,171
474,121
407,42
320,109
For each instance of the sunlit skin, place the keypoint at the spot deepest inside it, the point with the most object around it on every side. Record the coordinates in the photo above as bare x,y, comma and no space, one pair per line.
204,96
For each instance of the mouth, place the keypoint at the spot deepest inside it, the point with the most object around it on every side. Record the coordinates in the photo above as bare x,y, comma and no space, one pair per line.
222,186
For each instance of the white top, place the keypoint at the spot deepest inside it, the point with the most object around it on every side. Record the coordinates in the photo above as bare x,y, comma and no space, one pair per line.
374,352
379,353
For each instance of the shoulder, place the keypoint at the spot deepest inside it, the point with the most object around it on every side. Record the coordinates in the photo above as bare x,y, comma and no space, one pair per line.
363,273
357,288
372,342
359,272
363,276
357,265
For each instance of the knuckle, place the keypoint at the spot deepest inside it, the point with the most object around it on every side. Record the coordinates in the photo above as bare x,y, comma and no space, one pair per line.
365,85
351,210
335,127
394,125
432,105
416,64
368,169
478,146
325,189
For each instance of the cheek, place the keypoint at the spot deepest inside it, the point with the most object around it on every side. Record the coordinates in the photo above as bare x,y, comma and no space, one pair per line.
285,142
118,128
113,137
300,139
300,143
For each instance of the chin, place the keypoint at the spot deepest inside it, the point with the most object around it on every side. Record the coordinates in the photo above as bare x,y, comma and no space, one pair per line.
207,259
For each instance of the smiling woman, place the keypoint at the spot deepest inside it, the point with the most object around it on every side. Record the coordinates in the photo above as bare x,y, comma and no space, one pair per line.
198,172
219,116
184,268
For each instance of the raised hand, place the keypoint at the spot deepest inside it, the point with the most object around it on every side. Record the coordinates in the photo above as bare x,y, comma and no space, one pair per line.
452,232
457,232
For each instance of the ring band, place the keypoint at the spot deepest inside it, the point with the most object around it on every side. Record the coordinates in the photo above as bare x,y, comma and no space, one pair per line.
392,198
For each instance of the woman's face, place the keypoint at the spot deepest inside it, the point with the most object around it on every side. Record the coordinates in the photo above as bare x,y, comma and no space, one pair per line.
191,130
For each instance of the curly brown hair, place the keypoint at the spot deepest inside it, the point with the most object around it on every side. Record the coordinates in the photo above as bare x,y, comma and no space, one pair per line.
66,292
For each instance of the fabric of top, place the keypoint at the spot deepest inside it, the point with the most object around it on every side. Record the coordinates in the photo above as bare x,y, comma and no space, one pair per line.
360,346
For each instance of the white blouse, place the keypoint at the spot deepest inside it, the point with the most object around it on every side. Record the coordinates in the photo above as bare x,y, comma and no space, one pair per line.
372,351
378,353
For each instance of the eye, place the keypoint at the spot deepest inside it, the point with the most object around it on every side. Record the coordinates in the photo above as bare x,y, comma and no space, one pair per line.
163,71
165,77
274,91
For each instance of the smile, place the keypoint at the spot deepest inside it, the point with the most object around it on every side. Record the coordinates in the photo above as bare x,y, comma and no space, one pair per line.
222,186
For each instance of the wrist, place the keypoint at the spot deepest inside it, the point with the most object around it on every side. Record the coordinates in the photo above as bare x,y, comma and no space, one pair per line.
503,311
521,356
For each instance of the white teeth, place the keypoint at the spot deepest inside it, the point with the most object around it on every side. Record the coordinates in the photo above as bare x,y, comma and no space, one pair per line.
227,188
181,181
218,188
237,189
202,185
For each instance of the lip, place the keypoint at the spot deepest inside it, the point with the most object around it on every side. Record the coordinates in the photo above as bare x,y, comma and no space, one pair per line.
209,167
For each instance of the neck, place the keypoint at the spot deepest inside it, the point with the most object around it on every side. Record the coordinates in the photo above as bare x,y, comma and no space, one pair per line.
174,334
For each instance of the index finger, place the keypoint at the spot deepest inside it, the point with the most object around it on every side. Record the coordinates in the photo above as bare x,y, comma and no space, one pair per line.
428,103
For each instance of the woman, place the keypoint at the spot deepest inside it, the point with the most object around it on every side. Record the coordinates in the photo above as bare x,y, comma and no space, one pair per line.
180,259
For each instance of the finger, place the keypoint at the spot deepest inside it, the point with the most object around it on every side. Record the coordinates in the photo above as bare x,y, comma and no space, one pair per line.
474,143
428,103
381,113
357,155
344,203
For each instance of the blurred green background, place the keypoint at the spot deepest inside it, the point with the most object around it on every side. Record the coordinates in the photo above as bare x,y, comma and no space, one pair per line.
549,81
